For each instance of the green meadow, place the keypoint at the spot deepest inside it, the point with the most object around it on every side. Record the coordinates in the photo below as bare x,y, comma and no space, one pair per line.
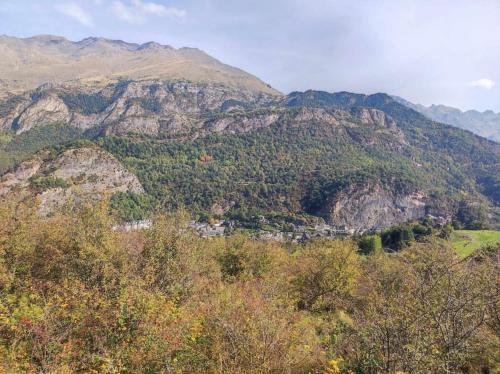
467,241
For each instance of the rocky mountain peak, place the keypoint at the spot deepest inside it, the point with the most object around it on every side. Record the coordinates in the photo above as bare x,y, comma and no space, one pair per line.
152,45
47,39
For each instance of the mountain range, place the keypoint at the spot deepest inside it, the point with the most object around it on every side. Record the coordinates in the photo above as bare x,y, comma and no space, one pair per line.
486,124
211,138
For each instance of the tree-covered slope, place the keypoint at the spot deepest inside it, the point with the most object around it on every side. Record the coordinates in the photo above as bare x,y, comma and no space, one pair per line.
351,173
475,156
364,162
14,149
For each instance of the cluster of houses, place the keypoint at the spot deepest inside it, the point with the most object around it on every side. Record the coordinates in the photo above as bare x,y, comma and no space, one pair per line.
303,233
134,225
207,230
221,228
296,233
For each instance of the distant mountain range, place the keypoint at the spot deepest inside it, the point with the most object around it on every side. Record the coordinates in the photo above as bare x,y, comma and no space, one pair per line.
220,142
27,63
486,124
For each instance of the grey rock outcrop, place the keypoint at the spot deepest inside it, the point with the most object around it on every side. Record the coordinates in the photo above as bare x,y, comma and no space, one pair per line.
86,172
138,107
373,208
48,109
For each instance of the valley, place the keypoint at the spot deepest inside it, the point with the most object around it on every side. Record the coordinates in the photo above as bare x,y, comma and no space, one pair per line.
163,212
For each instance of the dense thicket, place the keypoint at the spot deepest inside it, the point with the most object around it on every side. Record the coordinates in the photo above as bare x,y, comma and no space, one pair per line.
76,296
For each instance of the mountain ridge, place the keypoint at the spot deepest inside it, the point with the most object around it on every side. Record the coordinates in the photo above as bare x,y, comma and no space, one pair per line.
28,63
485,123
227,144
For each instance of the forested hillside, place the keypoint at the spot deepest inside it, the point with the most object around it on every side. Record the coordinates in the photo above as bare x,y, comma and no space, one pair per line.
356,161
163,212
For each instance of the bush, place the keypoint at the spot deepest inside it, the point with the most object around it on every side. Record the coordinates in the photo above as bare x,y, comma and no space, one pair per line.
397,238
44,183
473,215
324,275
370,244
76,296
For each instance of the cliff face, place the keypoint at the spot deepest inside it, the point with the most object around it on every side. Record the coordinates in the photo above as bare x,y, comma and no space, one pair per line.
156,107
48,109
373,207
71,176
141,107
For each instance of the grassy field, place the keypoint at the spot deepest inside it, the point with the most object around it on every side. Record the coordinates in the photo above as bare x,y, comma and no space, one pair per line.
466,241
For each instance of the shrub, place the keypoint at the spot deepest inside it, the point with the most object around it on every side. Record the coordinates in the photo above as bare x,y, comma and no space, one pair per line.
45,183
370,244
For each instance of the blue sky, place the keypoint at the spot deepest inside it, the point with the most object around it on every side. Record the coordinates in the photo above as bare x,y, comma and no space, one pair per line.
428,51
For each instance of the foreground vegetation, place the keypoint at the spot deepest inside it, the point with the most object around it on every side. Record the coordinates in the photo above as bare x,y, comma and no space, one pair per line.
76,296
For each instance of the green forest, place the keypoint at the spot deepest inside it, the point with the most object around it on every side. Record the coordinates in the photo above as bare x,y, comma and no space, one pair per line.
284,169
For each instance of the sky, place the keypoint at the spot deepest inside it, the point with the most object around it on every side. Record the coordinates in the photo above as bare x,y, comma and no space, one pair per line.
427,51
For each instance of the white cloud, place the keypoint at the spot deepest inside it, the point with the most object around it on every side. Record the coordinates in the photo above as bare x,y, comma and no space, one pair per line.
76,12
125,13
487,84
137,11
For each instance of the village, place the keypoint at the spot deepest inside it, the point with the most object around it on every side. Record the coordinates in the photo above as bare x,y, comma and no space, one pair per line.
219,228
